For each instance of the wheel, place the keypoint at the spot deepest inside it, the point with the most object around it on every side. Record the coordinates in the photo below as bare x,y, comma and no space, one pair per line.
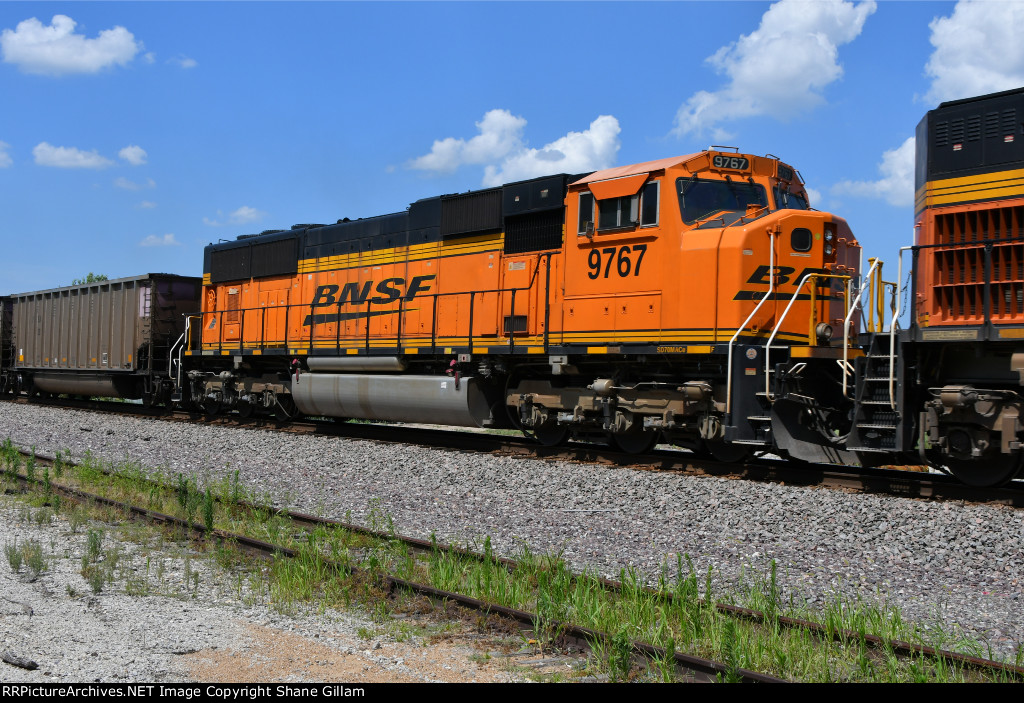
729,453
636,442
244,408
211,407
284,408
551,435
985,472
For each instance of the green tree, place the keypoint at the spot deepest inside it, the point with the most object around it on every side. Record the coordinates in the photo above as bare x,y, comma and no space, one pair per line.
91,278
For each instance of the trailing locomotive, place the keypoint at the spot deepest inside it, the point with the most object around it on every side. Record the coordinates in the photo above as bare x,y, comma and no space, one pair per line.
959,367
697,299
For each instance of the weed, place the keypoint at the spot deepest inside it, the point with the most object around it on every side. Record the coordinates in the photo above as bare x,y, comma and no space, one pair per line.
93,546
14,555
730,653
95,577
620,656
34,559
30,466
208,509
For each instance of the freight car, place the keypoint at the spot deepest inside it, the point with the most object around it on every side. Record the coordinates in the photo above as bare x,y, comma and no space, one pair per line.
6,346
108,338
696,298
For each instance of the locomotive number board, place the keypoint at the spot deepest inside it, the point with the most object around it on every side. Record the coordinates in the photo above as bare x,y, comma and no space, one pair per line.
738,163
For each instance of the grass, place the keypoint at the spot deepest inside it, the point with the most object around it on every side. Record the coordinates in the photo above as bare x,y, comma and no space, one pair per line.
676,614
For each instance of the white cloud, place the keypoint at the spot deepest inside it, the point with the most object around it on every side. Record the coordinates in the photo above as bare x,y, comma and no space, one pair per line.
56,50
147,205
501,150
68,157
122,182
5,158
896,186
153,240
500,133
149,57
780,68
135,155
247,214
814,198
977,50
183,61
241,216
590,150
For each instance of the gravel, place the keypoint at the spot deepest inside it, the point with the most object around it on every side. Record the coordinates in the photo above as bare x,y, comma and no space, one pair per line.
940,562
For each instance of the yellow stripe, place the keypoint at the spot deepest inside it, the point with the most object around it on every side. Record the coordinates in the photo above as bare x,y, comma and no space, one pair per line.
986,186
399,255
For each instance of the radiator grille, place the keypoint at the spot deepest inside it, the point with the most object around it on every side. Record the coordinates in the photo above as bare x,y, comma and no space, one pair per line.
958,272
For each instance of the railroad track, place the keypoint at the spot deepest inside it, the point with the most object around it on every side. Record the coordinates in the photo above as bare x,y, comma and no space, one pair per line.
886,481
692,667
695,668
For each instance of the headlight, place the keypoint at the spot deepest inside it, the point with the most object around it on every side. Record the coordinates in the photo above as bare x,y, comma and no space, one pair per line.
828,250
828,234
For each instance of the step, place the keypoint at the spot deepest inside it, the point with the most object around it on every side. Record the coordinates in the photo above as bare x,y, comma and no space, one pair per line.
751,441
760,418
868,426
877,450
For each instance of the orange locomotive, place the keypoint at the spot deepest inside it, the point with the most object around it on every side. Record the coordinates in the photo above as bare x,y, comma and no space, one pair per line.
697,298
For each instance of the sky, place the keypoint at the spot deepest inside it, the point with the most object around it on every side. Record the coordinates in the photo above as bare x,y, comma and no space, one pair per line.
134,134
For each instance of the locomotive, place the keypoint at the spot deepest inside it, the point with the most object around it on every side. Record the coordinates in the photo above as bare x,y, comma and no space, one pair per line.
697,300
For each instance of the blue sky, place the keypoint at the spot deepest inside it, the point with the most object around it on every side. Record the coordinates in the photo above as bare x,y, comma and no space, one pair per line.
133,134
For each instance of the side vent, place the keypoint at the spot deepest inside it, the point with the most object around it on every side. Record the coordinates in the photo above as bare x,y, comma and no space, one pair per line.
515,324
471,213
537,231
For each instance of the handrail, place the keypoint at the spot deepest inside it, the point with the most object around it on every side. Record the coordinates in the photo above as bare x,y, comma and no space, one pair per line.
892,329
185,340
772,233
170,353
778,325
472,294
846,323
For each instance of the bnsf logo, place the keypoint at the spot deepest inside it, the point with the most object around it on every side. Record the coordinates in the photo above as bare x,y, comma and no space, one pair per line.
784,275
352,293
389,290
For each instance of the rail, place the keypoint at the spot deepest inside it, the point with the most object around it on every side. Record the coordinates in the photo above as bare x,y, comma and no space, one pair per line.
897,311
253,336
772,233
853,307
785,313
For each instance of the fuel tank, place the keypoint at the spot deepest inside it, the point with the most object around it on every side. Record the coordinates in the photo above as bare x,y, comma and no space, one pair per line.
438,400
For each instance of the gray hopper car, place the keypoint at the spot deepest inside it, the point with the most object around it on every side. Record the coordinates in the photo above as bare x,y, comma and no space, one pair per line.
6,346
107,338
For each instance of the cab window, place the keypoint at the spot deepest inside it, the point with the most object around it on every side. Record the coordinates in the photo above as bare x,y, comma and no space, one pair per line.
784,200
700,197
630,210
586,212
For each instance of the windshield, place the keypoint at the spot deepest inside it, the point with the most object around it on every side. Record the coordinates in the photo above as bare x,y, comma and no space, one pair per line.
785,200
699,198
